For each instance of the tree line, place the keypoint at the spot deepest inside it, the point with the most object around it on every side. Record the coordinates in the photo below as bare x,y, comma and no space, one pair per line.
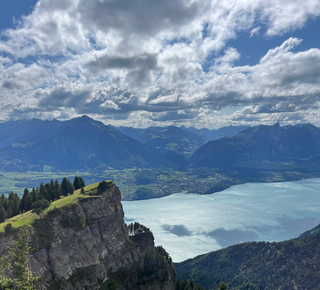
37,198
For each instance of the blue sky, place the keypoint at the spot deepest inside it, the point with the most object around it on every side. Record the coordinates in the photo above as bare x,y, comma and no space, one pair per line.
12,10
141,63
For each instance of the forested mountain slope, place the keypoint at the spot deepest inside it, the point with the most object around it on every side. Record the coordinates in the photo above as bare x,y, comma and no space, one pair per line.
292,264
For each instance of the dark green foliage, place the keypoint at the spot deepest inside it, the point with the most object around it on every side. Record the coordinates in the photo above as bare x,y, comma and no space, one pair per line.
258,265
3,214
152,261
154,266
12,205
18,265
34,195
3,200
136,229
40,204
186,285
49,195
164,254
103,186
56,189
82,190
43,192
78,183
223,286
8,228
66,187
26,201
38,199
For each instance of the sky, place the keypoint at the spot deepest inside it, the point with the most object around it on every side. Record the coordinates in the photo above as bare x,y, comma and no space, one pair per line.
140,63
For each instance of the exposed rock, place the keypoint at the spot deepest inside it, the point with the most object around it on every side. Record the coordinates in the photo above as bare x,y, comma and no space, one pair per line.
80,246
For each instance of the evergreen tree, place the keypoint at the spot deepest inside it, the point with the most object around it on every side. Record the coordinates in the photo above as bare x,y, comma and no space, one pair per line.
3,200
56,189
13,204
66,187
34,195
102,187
76,183
52,192
70,187
19,265
26,201
40,204
3,214
82,183
48,190
42,191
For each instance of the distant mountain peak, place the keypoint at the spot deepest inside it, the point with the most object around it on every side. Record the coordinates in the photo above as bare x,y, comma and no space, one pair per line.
85,117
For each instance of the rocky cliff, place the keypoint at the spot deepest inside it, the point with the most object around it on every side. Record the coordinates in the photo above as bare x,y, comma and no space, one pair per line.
86,246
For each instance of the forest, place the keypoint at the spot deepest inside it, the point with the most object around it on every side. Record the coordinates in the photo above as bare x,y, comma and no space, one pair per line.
37,198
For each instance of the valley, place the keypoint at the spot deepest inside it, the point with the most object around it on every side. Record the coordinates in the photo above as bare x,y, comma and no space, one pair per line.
159,182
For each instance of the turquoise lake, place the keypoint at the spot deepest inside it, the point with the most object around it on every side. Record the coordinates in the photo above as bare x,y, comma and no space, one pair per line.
187,225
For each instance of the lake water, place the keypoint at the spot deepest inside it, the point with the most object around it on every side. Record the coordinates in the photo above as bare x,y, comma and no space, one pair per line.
187,225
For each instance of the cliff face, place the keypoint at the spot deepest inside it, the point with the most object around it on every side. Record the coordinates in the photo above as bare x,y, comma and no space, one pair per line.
82,247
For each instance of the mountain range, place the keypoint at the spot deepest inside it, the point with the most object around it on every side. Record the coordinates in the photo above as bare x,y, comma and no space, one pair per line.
80,143
261,147
85,144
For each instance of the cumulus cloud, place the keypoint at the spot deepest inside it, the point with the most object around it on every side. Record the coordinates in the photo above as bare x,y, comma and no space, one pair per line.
157,61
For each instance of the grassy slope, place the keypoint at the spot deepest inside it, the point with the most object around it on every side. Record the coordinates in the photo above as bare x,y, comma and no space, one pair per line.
29,217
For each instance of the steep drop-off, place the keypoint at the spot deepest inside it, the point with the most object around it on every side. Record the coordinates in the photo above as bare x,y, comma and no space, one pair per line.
86,245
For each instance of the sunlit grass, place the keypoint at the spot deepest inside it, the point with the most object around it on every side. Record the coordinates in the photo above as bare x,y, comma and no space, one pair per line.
28,218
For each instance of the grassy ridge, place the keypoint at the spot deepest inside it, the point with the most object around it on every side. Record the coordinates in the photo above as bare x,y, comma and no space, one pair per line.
28,218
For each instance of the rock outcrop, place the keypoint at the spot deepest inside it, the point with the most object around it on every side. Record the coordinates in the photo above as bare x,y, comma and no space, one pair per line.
86,245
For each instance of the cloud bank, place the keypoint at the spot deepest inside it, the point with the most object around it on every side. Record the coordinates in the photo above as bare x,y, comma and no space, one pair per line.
144,62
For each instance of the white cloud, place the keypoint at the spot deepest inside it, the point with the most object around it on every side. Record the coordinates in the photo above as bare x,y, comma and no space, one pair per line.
117,58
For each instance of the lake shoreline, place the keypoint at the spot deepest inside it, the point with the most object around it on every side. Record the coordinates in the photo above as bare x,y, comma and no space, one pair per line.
223,183
188,225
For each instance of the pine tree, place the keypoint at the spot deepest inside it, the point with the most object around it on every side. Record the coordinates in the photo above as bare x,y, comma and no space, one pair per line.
56,189
70,187
42,191
3,200
76,183
18,264
34,195
52,190
82,183
13,204
3,214
26,201
66,187
48,190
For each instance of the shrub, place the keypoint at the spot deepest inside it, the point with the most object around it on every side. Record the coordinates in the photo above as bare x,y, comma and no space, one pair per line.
8,228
